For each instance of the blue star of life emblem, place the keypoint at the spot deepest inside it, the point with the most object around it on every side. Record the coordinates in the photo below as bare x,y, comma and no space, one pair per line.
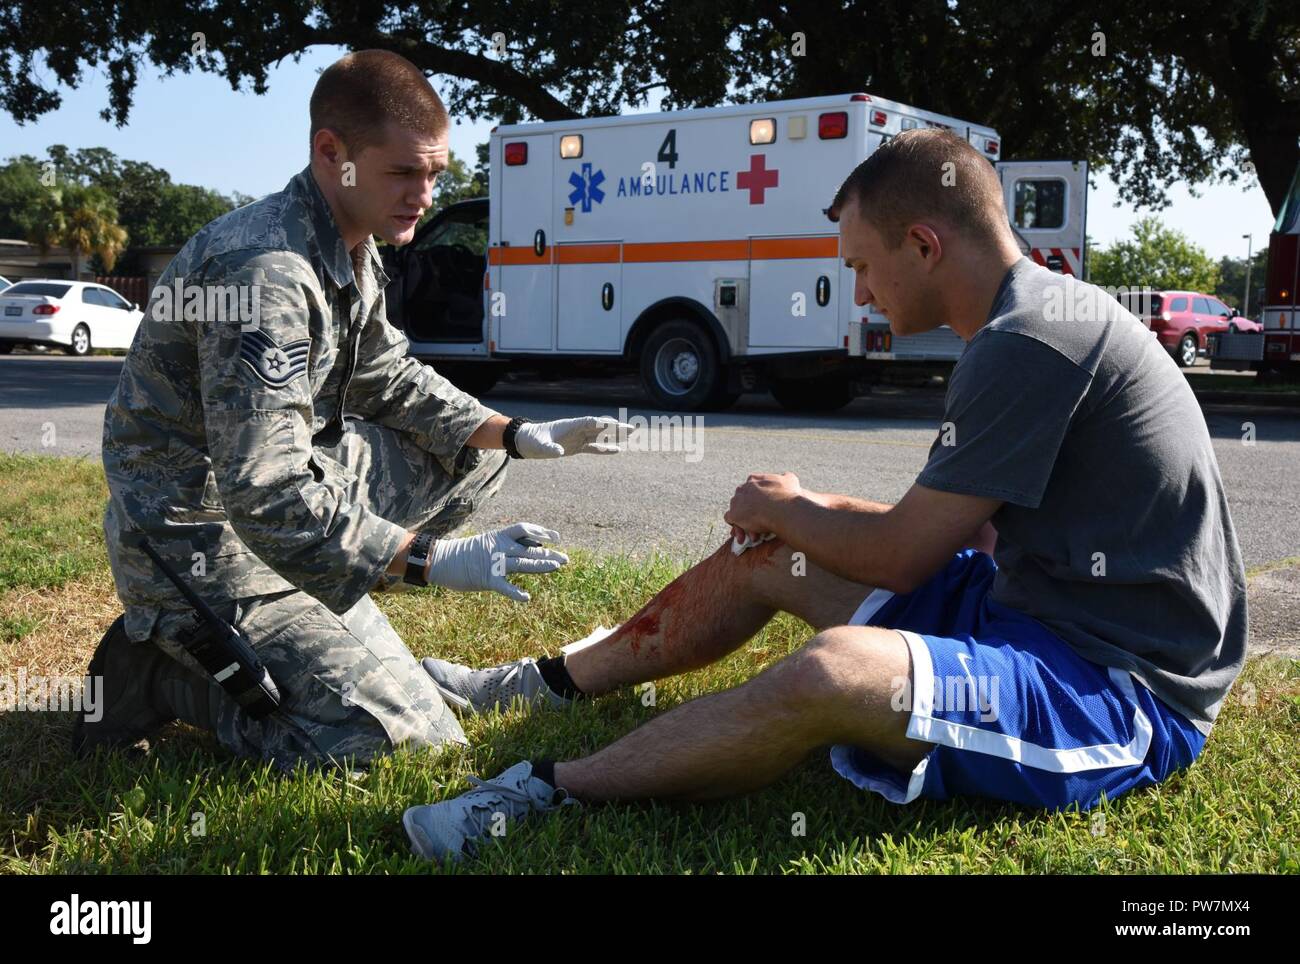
586,187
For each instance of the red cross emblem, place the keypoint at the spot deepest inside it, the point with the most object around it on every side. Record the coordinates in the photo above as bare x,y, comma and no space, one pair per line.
757,179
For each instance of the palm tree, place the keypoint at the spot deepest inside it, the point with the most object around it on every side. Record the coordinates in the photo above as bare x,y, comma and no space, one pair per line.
82,219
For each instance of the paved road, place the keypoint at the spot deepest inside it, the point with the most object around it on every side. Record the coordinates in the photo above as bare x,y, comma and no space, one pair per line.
674,500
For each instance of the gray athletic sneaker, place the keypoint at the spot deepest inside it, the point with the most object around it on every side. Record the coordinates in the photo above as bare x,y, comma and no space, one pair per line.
475,691
453,827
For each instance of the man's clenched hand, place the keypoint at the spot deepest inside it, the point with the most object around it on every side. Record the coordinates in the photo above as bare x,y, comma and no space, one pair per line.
758,503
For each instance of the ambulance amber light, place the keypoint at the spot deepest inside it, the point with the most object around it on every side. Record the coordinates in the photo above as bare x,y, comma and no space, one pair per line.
571,145
833,126
762,131
517,153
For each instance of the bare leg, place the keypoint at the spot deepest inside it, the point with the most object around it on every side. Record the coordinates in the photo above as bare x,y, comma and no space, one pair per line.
839,688
711,610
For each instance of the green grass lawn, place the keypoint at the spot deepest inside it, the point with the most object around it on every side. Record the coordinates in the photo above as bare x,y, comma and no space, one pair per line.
1236,810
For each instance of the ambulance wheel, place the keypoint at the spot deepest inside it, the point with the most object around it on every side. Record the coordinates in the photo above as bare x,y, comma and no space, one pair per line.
812,394
472,378
680,369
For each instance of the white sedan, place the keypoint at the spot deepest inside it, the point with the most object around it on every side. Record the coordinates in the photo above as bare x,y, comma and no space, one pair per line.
75,315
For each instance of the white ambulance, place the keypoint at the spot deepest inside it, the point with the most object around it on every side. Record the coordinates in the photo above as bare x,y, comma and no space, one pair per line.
692,246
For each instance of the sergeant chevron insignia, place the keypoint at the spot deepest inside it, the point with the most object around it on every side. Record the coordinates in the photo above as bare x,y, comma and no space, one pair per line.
273,364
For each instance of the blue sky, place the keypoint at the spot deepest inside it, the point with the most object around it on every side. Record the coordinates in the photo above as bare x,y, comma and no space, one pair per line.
198,129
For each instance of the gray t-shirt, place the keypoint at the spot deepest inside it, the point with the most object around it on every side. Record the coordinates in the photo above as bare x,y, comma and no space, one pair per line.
1115,531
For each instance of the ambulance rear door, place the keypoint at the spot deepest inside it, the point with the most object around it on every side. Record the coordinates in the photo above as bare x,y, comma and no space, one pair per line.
523,315
1047,203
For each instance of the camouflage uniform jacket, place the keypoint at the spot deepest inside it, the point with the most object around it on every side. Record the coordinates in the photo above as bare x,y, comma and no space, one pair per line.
255,339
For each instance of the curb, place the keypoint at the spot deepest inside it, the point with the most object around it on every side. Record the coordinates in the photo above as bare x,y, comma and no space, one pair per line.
1266,399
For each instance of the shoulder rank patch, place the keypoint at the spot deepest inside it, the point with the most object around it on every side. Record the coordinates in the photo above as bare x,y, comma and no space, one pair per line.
273,364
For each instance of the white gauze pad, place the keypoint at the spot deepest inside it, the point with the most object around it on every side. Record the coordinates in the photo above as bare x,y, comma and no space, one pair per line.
740,545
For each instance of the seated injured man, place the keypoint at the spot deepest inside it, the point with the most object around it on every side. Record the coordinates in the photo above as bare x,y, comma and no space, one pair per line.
1054,611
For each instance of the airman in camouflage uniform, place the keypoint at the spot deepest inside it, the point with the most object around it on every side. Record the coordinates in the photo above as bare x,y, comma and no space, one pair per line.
226,445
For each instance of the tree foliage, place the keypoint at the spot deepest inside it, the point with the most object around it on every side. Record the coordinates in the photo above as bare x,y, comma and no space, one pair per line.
144,201
1191,91
1155,257
1232,280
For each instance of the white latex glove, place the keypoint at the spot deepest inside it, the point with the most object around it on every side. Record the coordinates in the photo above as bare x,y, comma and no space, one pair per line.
481,562
570,436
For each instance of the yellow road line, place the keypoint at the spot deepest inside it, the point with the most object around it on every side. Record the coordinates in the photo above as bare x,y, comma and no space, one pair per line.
759,433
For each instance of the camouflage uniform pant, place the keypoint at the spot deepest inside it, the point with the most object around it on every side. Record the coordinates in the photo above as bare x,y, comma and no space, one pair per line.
348,685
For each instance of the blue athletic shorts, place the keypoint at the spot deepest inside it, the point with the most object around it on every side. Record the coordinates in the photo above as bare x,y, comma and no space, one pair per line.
1013,712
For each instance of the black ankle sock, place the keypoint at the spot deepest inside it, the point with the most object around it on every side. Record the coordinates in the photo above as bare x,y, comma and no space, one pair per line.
544,770
557,677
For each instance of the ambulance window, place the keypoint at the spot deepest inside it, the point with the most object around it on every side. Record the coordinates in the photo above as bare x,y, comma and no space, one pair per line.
1040,204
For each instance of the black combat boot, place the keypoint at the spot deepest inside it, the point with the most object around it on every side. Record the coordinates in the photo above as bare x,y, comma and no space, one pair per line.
128,709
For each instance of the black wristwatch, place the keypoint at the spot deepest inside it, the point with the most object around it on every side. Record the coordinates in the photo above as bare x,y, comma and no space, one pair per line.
508,436
417,557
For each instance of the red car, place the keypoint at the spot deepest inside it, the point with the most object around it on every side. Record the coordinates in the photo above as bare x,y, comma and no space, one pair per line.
1182,320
